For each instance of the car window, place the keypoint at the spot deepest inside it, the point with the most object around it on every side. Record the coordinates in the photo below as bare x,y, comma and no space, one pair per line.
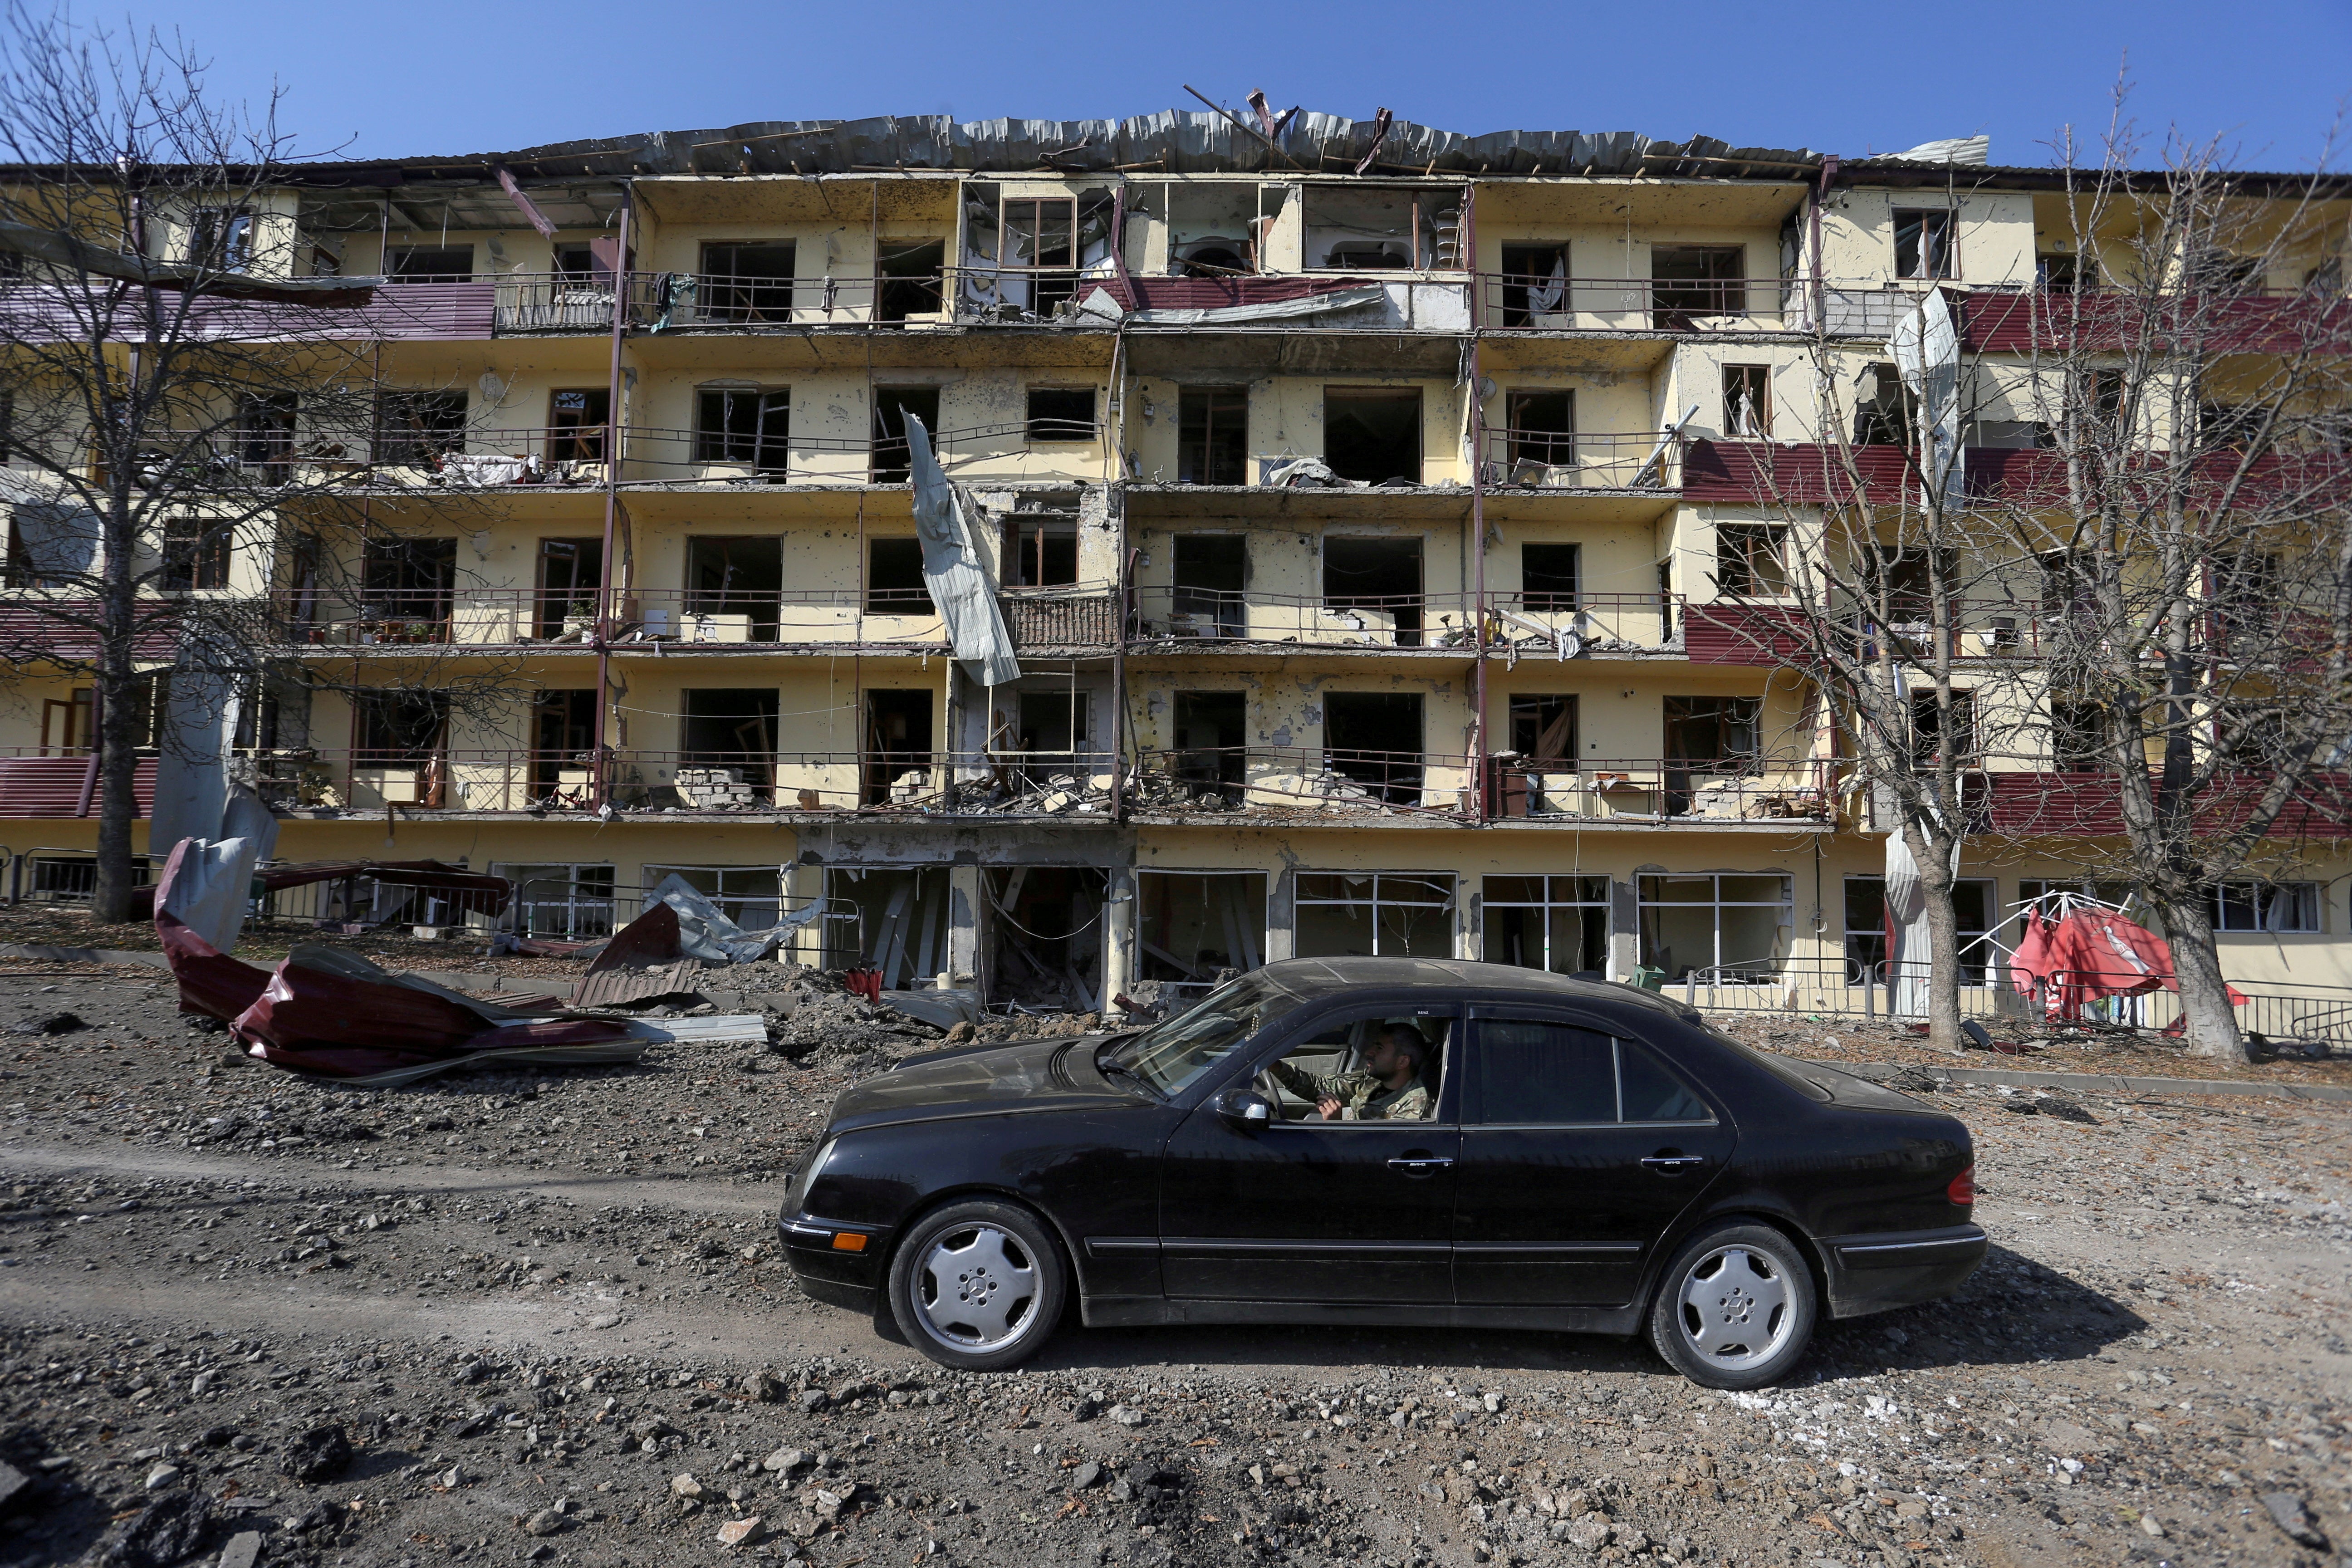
1649,1090
1541,1072
1362,1068
1535,1072
1171,1055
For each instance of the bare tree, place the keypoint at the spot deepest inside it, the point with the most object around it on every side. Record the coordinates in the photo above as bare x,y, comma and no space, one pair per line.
192,417
2180,542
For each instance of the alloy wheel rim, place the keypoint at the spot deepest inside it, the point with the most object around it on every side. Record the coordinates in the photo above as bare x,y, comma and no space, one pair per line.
1735,1309
975,1288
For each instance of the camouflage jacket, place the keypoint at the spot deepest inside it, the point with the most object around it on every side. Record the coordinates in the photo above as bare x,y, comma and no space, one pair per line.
1361,1096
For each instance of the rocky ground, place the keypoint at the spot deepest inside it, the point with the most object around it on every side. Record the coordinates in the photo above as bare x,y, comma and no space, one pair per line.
541,1318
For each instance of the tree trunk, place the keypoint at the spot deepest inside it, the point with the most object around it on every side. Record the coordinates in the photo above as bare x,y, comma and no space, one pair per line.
2211,1020
1944,964
118,805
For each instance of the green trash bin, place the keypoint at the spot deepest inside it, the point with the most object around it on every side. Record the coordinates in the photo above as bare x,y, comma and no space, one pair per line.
1650,979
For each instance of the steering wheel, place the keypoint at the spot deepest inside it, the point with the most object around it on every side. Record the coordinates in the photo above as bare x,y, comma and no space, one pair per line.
1264,1084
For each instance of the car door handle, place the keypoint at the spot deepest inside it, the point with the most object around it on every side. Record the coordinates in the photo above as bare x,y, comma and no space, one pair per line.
1419,1165
1667,1163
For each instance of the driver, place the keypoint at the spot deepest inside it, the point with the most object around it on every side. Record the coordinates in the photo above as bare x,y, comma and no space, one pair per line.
1387,1088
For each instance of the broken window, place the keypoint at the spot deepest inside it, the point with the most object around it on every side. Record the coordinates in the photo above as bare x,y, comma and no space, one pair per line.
744,424
1712,728
1039,553
50,544
1373,432
567,902
1535,285
1884,407
64,724
265,431
222,238
2077,735
1211,741
746,281
1378,582
1938,732
1973,903
397,726
413,428
1213,435
898,739
1040,236
408,580
1747,401
1541,432
571,573
1548,576
1689,283
1543,726
576,417
727,752
1210,571
1193,926
1375,738
893,461
1052,735
1048,935
1212,229
563,734
1750,558
899,924
1353,229
1923,242
1913,577
2058,272
1556,923
195,552
894,578
1737,925
733,585
1364,914
911,273
751,896
2267,906
1061,414
576,266
429,263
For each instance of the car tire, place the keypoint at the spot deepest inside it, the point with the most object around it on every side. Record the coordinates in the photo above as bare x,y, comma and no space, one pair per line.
1735,1308
978,1285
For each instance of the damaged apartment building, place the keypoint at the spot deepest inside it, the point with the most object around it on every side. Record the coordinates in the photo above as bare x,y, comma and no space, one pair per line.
1070,556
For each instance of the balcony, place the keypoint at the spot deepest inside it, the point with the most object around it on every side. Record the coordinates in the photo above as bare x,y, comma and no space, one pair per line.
1530,302
34,784
1168,614
1525,457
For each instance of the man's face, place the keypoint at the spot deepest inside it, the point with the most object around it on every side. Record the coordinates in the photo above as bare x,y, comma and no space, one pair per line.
1387,1056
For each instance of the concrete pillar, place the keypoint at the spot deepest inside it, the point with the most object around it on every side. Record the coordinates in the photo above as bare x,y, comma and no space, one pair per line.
1118,934
965,901
1280,938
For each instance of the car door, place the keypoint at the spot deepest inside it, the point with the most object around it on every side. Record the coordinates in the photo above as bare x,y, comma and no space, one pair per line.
1580,1151
1314,1211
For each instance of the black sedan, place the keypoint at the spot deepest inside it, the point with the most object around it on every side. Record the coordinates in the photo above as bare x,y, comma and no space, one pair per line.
1387,1141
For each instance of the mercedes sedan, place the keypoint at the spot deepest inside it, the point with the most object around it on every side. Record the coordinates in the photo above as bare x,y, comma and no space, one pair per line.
1386,1140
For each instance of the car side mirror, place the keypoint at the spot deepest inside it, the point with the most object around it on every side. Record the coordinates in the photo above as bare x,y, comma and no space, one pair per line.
1245,1110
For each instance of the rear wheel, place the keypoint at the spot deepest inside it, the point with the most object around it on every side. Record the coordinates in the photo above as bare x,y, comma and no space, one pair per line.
1735,1308
978,1285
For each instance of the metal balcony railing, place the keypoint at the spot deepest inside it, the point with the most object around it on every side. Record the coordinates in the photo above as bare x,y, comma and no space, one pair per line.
1534,302
1563,459
1170,612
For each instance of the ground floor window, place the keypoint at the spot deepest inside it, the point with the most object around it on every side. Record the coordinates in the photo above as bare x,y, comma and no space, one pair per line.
751,896
1390,914
1975,909
564,900
1733,923
1192,925
890,917
2267,906
1560,923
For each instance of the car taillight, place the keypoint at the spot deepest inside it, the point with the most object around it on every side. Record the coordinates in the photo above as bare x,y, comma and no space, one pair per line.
1963,1190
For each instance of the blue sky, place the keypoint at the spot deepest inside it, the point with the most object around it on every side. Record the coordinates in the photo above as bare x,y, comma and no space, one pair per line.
430,77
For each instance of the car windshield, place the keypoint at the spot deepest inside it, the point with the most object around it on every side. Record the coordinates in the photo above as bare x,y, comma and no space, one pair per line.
1170,1058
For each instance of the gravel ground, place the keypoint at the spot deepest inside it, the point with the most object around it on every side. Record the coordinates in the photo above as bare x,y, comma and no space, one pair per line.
540,1317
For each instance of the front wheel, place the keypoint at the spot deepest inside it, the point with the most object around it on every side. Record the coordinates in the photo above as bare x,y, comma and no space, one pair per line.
1735,1308
978,1286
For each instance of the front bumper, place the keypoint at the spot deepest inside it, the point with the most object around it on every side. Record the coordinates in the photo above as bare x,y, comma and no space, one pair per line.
1871,1273
840,1265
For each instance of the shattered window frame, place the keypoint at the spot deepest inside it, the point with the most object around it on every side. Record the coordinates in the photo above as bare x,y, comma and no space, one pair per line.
1383,892
1558,904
